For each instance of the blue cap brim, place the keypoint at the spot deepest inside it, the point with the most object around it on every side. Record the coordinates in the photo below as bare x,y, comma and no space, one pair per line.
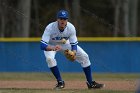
63,17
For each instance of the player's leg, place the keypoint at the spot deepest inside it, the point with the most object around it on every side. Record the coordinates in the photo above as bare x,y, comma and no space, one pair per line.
52,64
83,59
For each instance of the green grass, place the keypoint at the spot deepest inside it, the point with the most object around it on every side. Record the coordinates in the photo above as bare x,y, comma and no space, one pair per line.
66,76
60,91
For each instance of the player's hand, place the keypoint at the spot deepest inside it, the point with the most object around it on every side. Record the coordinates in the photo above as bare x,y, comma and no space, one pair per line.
57,48
70,55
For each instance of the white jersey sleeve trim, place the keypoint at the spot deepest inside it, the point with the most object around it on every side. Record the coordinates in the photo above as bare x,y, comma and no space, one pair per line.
74,43
44,42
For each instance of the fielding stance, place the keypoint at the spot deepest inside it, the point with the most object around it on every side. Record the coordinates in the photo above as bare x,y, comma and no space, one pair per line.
61,36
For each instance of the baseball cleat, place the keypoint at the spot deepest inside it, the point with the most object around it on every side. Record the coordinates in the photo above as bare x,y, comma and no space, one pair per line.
95,85
60,85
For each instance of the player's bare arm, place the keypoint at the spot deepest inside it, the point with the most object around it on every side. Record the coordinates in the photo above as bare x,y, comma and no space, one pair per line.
53,48
46,47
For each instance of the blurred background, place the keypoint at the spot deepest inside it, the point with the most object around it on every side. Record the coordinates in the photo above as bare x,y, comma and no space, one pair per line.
94,18
100,20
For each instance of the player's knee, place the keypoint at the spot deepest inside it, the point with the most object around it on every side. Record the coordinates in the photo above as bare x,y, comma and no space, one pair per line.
51,62
85,57
85,61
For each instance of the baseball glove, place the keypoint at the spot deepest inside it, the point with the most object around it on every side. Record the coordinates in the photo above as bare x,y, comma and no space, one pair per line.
70,55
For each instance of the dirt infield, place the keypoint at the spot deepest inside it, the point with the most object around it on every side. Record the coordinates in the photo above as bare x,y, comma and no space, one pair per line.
109,85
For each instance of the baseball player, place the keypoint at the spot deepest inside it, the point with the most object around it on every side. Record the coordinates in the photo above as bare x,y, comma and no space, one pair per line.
61,36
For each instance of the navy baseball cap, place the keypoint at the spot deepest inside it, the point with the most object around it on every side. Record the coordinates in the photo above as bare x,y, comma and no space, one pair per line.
63,14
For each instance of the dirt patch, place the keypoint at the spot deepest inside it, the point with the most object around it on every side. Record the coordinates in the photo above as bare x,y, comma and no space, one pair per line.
109,85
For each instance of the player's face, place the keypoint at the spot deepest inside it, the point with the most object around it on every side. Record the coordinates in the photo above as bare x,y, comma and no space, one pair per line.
62,23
